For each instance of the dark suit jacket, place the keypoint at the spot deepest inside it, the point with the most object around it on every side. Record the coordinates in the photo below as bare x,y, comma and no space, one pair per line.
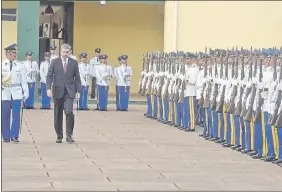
61,80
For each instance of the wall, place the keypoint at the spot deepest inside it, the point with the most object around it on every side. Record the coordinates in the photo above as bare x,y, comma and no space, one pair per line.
118,28
229,23
9,28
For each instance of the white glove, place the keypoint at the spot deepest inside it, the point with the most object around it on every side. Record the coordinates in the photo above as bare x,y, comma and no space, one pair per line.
259,85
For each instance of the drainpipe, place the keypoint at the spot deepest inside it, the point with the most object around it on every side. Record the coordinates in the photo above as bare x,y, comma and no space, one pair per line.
175,25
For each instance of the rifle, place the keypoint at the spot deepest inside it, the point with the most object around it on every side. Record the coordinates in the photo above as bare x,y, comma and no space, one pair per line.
156,75
150,78
144,85
172,83
161,76
208,88
219,107
142,76
277,120
168,61
249,113
235,60
247,89
178,80
201,100
215,83
182,85
260,90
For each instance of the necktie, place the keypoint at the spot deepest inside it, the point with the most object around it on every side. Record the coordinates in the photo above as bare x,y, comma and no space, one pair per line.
65,66
11,65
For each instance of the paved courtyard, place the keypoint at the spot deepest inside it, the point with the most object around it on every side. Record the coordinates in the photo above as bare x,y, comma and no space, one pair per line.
122,151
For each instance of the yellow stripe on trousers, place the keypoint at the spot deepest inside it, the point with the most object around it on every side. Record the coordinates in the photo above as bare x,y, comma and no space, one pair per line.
163,117
241,132
207,121
170,111
232,142
252,132
264,140
275,141
192,115
159,108
225,125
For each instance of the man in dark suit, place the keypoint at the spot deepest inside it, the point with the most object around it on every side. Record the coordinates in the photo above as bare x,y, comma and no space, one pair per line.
64,74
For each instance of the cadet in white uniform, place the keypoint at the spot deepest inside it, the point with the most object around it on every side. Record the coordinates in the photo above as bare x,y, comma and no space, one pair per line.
53,53
103,74
117,93
84,71
190,102
32,70
14,89
93,62
44,67
124,75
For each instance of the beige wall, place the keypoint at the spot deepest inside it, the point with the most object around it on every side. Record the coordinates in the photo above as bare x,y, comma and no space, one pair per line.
9,28
227,23
169,23
119,28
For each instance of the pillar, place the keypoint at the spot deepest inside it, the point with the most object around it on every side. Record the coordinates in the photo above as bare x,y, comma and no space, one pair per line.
170,26
28,31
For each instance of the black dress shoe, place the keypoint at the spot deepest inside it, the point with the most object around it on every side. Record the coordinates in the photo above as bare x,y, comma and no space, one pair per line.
257,156
246,151
15,139
269,159
277,161
235,147
97,109
253,153
6,140
119,110
69,139
226,145
59,141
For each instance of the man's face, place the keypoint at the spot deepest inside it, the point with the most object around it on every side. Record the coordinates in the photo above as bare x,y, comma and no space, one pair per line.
97,54
11,56
102,60
52,51
47,58
65,53
124,61
83,60
28,57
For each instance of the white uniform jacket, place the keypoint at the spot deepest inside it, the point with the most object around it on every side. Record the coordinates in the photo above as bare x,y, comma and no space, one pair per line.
13,82
84,72
123,75
32,70
44,67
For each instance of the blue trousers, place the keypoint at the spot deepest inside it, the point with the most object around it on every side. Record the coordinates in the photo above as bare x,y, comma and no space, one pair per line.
166,109
222,131
30,100
160,108
123,97
173,112
215,124
149,106
103,97
237,130
210,126
83,101
9,131
155,106
117,98
258,138
248,135
205,121
189,112
279,132
45,100
268,135
179,108
243,131
228,131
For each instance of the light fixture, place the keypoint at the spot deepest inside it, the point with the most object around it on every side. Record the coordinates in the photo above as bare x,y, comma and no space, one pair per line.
103,2
49,10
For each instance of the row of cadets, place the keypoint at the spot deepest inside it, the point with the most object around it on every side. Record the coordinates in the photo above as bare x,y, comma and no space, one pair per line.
14,90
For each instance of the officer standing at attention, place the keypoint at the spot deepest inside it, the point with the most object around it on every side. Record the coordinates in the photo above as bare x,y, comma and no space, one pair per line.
14,89
103,74
93,62
44,67
124,75
53,52
32,70
116,77
84,72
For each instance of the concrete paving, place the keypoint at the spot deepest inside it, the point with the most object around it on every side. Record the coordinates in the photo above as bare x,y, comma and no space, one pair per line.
123,151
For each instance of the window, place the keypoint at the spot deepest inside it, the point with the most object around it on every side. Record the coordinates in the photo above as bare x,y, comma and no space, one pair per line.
9,15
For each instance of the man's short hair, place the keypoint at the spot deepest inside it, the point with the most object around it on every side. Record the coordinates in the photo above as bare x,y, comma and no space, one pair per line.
66,46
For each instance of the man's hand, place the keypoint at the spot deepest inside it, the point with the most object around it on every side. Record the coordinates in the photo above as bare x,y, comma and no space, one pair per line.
49,93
